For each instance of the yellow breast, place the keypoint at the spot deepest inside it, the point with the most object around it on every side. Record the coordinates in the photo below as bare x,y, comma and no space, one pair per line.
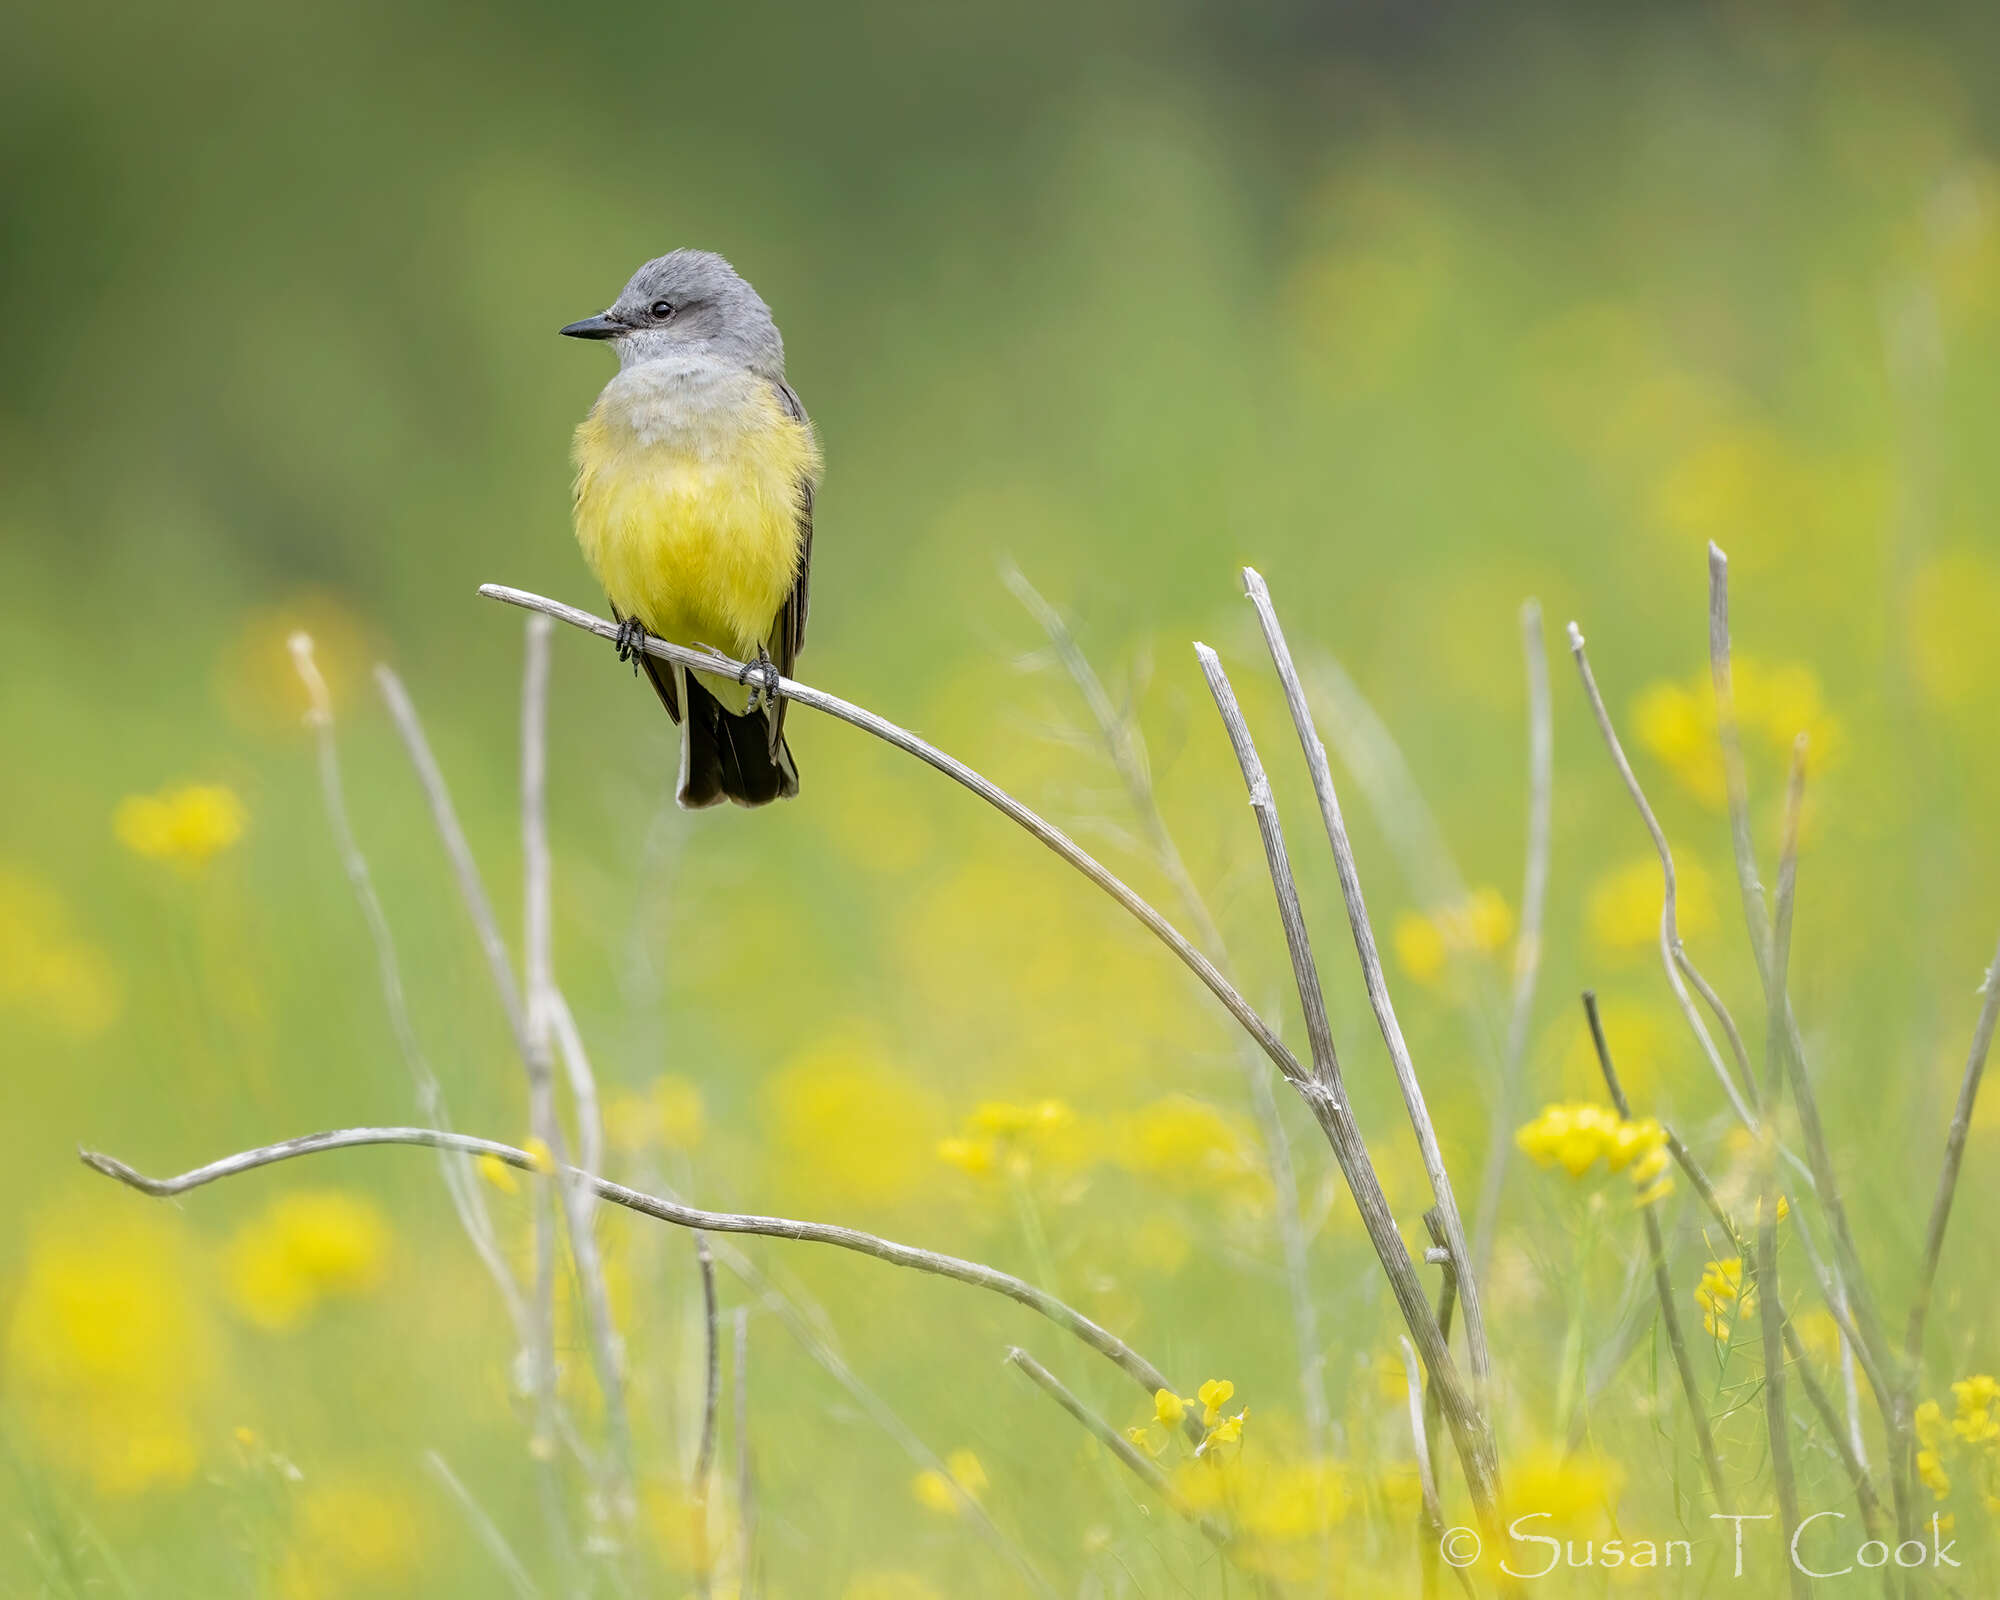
687,503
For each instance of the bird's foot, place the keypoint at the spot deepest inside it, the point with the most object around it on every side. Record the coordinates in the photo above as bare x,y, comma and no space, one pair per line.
762,677
631,641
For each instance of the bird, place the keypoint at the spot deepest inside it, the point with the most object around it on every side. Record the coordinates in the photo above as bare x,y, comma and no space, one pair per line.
696,471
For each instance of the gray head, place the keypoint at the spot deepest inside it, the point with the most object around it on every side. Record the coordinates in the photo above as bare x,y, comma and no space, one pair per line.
689,303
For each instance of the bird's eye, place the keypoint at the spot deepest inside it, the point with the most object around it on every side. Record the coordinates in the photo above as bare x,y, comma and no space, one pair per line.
663,309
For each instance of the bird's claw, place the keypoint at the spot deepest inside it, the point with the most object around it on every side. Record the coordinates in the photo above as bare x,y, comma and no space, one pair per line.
762,678
631,641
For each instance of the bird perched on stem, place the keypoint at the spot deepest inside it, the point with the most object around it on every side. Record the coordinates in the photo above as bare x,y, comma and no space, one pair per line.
695,473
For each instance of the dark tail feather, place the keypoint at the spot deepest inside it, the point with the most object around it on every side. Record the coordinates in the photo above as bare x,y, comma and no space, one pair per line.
727,757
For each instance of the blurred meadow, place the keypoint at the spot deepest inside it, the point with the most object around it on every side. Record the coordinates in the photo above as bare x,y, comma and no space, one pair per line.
1422,310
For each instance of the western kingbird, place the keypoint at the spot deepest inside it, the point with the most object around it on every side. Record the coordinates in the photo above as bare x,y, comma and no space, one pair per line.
694,507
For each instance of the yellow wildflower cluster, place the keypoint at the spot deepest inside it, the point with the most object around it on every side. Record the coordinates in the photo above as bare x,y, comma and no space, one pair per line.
945,1492
1722,1296
1577,1135
1973,1432
188,826
1003,1137
1171,1410
307,1247
1677,722
1426,942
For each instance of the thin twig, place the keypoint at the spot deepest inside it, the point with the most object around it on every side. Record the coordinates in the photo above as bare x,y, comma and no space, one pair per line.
1777,961
1126,745
1479,1357
1663,1282
1135,1366
1141,1467
711,1400
484,1528
746,1504
1433,1512
467,1200
1528,942
1954,1158
1326,1095
1054,838
1670,938
1850,1285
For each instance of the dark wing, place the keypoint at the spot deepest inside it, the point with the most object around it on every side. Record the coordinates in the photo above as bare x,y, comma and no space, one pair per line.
788,637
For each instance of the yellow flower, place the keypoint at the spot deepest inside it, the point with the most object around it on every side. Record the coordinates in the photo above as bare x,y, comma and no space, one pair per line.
847,1125
306,1247
1720,1296
1930,1423
498,1173
1145,1440
109,1358
1931,1470
973,1157
1976,1427
1225,1430
1481,924
945,1492
48,975
1678,723
187,826
1169,1407
1623,909
1575,1136
540,1154
1976,1393
1214,1394
1191,1145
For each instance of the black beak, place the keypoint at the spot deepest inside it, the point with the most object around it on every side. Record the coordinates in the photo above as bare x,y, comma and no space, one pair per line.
598,327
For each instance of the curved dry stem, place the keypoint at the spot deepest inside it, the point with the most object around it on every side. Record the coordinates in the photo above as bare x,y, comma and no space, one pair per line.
1140,1466
1126,745
980,1276
1672,956
1054,838
1377,983
1325,1094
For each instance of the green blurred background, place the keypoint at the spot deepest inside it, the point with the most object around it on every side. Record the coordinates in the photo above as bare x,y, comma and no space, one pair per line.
1421,309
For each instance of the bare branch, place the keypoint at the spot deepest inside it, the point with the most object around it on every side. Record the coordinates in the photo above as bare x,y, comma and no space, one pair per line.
1326,1095
544,1014
1135,1366
1126,746
1954,1158
1433,1512
1054,838
711,1400
1777,961
1140,1466
1671,954
746,1503
1480,1358
466,1199
1849,1295
484,1528
1663,1283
